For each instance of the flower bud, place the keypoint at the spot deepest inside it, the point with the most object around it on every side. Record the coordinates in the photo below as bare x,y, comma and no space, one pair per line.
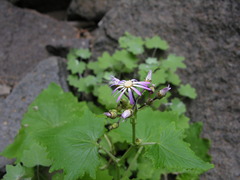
127,113
113,126
163,91
111,114
149,76
138,141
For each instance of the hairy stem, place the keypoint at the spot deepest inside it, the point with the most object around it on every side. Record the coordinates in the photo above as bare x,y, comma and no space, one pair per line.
110,155
133,122
133,161
125,155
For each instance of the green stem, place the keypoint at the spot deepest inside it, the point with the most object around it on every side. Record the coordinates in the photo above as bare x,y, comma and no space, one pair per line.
126,154
133,122
148,143
133,161
118,171
110,154
109,143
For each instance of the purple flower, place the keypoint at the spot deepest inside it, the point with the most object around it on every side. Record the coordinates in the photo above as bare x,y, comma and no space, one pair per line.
129,87
108,114
127,113
163,91
149,76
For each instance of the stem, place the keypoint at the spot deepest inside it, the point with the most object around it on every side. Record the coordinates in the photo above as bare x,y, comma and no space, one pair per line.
148,143
125,155
110,154
133,122
118,172
109,143
134,159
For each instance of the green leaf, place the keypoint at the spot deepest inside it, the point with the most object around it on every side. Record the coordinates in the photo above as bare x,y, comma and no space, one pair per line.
36,155
173,78
173,154
83,84
73,80
151,60
145,165
132,43
146,129
105,97
127,59
173,62
188,91
83,53
159,77
18,172
75,66
178,106
106,61
100,175
95,67
187,176
170,151
156,42
199,145
73,147
52,108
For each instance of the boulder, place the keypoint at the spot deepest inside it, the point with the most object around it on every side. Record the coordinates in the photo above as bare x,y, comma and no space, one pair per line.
23,35
89,9
207,34
16,104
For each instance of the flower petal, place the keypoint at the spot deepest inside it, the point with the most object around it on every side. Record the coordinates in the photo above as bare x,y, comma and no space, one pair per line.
144,87
131,98
117,89
142,82
137,91
119,97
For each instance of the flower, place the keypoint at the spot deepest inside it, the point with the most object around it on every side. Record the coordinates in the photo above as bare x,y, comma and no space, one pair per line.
127,113
129,86
111,114
149,76
163,91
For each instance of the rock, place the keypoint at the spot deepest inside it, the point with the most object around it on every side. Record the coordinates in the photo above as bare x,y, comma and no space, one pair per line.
4,90
207,34
16,104
89,9
23,35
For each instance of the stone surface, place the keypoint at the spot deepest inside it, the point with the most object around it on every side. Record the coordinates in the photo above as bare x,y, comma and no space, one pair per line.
207,34
89,9
15,105
23,35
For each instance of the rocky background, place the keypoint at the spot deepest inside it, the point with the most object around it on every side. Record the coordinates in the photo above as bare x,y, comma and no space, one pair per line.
35,36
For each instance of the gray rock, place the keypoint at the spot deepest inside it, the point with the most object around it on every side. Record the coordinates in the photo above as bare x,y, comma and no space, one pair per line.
207,34
23,35
15,105
89,9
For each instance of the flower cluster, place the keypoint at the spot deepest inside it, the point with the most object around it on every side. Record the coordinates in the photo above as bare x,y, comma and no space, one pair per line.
129,88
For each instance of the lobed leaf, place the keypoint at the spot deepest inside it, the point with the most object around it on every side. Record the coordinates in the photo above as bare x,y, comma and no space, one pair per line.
173,154
173,62
156,42
18,172
132,43
188,91
75,66
83,53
